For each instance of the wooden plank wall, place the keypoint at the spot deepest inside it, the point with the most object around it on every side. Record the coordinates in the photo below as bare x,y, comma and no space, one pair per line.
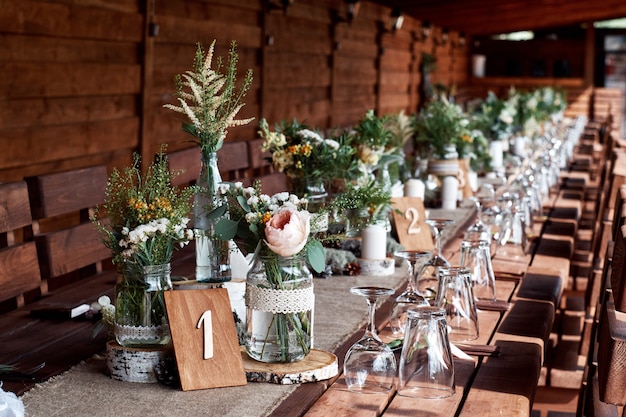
84,81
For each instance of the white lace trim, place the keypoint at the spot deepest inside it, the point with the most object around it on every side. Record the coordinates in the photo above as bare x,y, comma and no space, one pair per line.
125,332
280,301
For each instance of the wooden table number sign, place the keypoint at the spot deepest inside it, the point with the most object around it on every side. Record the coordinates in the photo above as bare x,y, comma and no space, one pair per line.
408,217
205,340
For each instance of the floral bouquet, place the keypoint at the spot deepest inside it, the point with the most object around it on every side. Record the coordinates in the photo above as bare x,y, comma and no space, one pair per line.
143,220
305,156
209,98
373,142
443,129
279,292
362,205
496,117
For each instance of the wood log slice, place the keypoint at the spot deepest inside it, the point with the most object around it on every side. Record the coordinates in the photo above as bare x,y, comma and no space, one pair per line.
318,365
134,364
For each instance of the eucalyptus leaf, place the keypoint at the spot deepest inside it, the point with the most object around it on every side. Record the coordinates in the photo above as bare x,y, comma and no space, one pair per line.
217,212
226,229
315,255
243,203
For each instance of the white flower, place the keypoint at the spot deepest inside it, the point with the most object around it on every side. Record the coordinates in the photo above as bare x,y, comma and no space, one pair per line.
332,143
238,185
253,201
311,135
223,188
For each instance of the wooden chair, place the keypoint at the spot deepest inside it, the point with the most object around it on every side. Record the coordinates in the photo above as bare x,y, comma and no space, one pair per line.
271,182
68,244
233,163
19,269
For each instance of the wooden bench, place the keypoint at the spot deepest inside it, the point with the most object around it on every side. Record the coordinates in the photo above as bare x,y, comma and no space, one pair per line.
71,260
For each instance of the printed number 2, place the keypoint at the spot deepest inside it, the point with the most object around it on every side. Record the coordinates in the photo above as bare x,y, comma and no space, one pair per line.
207,329
412,215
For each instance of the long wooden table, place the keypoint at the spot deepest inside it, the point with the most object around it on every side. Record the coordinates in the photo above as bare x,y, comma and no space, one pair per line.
502,385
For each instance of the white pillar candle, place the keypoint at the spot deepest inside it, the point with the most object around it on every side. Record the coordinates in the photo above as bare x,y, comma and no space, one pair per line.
449,192
374,242
414,188
496,152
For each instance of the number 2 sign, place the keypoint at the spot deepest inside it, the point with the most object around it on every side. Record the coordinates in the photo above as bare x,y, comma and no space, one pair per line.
205,340
408,217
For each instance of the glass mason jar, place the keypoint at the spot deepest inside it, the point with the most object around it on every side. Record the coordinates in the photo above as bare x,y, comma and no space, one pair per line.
212,253
314,190
140,315
279,300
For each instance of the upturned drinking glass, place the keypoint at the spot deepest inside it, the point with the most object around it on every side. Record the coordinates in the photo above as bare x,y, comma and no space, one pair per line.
426,368
456,297
476,255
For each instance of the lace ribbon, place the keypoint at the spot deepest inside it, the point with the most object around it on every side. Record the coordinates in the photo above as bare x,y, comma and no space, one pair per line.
280,301
125,332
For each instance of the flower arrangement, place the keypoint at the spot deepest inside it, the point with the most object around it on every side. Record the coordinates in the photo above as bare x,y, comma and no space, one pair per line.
441,127
143,220
303,154
375,145
278,231
363,205
496,117
210,98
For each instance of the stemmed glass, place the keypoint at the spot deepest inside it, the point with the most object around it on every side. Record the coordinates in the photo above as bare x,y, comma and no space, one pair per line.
427,281
480,230
370,365
410,297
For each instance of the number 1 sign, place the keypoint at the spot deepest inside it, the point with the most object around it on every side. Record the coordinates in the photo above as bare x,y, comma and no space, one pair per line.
204,338
408,217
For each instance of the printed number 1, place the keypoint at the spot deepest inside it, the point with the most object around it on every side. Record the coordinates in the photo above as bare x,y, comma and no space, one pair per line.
412,215
207,329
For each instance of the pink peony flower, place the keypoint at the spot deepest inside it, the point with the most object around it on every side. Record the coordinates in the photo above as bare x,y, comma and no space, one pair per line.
288,231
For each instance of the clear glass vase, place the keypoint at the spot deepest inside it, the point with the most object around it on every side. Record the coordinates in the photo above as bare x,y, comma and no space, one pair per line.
140,315
314,190
280,300
212,253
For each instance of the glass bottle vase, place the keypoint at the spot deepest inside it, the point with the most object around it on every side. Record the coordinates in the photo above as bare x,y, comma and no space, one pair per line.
212,253
279,300
140,314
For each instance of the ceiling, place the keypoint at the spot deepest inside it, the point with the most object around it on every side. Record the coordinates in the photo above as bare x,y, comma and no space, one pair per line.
487,17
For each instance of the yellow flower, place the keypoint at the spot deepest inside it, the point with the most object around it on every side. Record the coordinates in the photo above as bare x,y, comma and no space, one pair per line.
466,138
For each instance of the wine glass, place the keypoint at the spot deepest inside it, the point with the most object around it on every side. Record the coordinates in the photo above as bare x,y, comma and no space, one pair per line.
427,281
410,297
479,230
370,365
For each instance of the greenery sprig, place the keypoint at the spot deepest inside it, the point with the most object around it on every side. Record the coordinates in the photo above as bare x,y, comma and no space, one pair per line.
210,98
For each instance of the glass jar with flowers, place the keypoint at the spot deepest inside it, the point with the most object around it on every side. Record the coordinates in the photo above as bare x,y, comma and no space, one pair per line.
142,221
361,206
210,100
309,160
279,288
441,127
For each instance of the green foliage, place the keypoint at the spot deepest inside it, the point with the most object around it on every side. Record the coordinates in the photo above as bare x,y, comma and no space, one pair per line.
210,98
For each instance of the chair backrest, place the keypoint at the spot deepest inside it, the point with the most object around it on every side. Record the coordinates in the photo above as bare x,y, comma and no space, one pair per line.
233,163
68,244
272,182
19,270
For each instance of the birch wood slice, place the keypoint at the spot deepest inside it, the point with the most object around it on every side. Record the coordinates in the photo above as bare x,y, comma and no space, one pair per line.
318,365
133,364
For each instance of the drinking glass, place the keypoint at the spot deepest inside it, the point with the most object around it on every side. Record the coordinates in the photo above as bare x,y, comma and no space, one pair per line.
426,368
409,297
476,255
427,280
370,365
479,229
512,239
456,297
